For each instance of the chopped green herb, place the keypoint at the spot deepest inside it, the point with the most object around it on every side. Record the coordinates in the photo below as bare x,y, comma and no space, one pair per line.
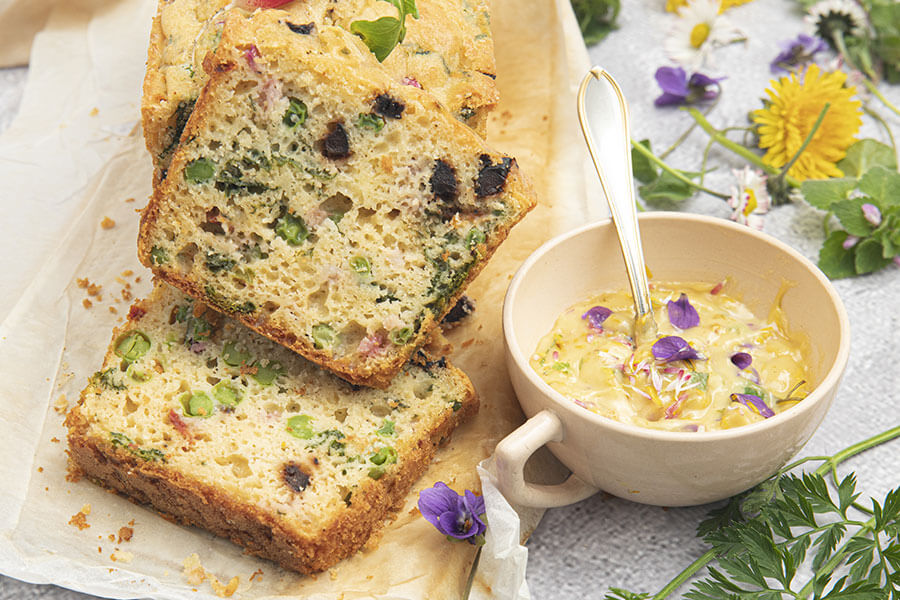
292,229
400,335
382,35
387,428
456,405
158,255
300,426
123,441
199,170
216,262
323,335
360,265
226,394
386,455
561,366
474,237
132,346
295,114
235,354
267,373
370,121
106,379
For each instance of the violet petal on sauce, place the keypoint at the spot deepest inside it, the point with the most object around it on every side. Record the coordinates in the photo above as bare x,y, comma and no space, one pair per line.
741,360
681,314
671,348
595,316
754,403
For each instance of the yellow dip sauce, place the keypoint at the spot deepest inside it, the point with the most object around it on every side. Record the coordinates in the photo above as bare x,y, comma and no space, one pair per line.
591,358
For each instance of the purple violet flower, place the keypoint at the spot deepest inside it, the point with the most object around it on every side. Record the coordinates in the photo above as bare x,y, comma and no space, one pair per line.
671,348
681,314
871,214
455,515
595,316
754,403
797,53
679,89
741,360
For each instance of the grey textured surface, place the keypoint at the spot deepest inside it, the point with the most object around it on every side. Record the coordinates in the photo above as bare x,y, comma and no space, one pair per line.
581,550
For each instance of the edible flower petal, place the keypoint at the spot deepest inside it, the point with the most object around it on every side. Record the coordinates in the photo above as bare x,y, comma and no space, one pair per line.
679,89
681,314
458,516
754,403
595,316
671,348
797,53
871,214
741,360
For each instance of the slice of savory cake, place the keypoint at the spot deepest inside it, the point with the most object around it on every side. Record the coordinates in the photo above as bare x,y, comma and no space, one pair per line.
324,205
221,428
448,51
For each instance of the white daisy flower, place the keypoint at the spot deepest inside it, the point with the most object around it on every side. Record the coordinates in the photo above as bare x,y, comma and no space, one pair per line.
750,200
828,17
698,31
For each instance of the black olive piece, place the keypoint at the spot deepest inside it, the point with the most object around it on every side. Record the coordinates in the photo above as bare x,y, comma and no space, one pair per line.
303,29
443,181
388,107
492,177
335,144
294,476
462,309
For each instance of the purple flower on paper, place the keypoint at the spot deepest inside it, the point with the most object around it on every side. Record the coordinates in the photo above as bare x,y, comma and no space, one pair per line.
681,314
455,515
679,89
595,316
871,214
741,360
754,403
796,53
671,348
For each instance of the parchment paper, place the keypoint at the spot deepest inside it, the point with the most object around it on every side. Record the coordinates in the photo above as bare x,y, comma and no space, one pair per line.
50,343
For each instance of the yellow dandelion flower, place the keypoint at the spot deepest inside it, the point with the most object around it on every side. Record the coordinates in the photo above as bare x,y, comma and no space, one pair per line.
794,105
674,5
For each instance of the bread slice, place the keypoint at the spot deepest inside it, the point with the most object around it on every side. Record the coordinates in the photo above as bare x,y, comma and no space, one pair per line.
324,205
220,428
448,51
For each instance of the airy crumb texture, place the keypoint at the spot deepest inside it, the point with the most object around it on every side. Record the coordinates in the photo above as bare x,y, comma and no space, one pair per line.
448,52
221,428
324,205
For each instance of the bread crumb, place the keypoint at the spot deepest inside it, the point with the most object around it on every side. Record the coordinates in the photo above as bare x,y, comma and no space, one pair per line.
107,223
79,519
94,111
196,574
113,310
467,343
121,556
333,574
256,573
125,534
40,469
127,273
112,537
61,406
86,303
55,440
129,199
225,591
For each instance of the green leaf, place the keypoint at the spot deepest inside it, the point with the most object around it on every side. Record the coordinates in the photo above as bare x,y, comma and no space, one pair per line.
869,256
596,18
823,193
883,185
667,188
850,214
643,168
834,261
865,154
381,35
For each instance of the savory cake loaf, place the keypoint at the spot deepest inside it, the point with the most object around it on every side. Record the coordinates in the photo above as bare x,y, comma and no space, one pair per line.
323,204
221,428
447,51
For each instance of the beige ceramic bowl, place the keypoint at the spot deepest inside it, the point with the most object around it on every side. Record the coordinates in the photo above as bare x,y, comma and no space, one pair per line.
649,466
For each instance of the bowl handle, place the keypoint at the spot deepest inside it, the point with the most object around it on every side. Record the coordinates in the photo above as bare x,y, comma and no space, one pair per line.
513,452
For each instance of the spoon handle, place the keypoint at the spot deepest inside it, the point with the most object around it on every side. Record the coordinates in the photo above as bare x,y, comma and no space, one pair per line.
613,164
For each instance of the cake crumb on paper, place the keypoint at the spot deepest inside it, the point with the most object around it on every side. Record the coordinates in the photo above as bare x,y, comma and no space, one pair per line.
256,573
86,303
107,223
121,556
125,534
195,573
94,111
79,519
61,406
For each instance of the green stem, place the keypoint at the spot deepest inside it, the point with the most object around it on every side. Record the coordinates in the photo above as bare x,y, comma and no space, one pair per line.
806,142
836,559
859,447
880,120
471,578
685,575
674,173
825,223
838,39
688,131
741,151
875,92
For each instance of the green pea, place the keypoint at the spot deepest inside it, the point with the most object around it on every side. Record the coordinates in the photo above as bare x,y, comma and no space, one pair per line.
292,229
266,374
370,121
139,376
300,426
323,335
385,456
199,170
236,355
196,404
400,335
474,237
132,346
387,428
360,265
376,472
226,394
295,114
